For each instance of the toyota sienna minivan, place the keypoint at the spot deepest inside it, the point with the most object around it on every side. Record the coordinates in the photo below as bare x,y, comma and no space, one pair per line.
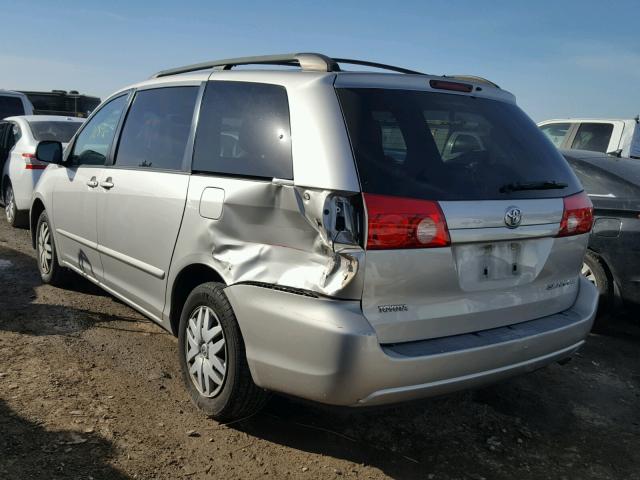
350,237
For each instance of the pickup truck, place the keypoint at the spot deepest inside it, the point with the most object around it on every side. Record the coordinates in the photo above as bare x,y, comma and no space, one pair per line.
617,137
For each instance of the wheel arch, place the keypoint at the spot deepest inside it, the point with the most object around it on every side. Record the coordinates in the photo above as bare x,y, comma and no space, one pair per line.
188,278
37,207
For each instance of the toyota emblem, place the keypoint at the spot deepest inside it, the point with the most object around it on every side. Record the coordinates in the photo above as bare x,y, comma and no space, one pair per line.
512,217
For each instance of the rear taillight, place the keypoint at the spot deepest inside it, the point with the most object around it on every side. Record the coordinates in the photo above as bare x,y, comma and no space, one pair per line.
395,223
32,163
578,215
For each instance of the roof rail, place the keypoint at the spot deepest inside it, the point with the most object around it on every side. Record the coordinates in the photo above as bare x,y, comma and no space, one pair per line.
315,62
473,78
307,61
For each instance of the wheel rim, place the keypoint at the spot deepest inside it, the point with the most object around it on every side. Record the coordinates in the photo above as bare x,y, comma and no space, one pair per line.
588,274
9,205
45,248
206,351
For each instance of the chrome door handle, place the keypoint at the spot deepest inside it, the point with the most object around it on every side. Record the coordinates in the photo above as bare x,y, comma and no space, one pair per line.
93,183
107,184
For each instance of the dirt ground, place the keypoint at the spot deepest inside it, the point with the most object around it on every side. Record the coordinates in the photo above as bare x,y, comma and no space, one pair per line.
91,389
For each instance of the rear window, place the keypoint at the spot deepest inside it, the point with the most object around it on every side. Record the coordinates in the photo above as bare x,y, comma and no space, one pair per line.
60,131
449,147
593,136
10,106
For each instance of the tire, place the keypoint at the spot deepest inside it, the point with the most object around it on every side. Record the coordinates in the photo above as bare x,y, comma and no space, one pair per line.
209,338
15,217
594,270
51,271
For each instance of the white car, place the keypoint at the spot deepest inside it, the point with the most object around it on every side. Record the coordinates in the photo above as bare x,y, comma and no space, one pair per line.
619,137
20,169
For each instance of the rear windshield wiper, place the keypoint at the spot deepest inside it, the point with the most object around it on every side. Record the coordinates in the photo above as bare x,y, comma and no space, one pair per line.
548,185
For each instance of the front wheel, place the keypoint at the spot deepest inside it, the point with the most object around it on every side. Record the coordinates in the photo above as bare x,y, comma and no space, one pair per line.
212,357
51,271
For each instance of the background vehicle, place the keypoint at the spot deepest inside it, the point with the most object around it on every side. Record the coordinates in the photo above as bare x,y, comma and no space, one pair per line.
613,258
14,103
18,164
60,102
348,263
618,137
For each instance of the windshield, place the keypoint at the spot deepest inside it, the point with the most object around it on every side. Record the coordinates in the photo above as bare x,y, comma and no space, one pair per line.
450,147
60,131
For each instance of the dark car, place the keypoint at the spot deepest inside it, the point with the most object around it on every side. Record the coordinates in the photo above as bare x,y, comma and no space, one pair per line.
612,261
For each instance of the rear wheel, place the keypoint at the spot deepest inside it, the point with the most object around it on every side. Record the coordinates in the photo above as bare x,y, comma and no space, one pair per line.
14,217
213,359
594,270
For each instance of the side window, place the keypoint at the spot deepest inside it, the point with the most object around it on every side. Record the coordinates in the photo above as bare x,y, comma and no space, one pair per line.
244,130
556,132
93,142
593,136
157,127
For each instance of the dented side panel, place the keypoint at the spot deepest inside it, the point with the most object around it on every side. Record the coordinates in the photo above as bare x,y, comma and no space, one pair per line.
274,234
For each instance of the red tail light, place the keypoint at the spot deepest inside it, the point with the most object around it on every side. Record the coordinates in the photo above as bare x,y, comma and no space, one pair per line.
396,223
455,86
32,163
578,215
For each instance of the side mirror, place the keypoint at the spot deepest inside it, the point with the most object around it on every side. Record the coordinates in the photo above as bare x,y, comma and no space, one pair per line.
615,153
49,151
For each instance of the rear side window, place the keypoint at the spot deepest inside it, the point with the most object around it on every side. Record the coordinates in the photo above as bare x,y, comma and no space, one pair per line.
60,131
556,132
10,106
593,136
156,129
244,130
441,146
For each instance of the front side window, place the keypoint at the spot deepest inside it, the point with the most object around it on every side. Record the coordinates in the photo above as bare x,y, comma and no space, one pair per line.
244,130
93,142
156,129
556,132
593,136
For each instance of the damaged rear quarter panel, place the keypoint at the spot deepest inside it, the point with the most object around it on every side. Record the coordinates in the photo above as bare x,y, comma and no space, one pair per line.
273,234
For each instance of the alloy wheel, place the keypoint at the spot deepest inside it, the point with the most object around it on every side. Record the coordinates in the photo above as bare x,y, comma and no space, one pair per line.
45,248
9,205
588,274
206,351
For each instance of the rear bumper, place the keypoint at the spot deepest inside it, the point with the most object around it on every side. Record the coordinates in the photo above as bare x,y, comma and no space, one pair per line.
326,351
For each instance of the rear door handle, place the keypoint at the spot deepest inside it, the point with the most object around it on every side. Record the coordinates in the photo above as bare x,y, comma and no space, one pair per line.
93,183
107,184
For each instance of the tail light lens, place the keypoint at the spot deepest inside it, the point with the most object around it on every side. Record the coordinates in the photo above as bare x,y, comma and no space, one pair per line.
32,163
578,215
396,223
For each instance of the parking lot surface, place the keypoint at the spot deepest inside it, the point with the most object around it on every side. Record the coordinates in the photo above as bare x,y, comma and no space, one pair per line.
91,389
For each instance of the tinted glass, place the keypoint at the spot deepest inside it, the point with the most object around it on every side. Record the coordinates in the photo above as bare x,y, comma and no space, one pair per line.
244,130
456,147
10,106
93,142
156,129
556,132
17,133
58,103
60,131
593,136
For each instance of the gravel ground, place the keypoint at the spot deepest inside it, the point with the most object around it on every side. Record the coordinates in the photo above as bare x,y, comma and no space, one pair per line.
91,389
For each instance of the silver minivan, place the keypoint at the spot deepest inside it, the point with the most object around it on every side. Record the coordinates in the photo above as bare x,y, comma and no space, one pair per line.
350,237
